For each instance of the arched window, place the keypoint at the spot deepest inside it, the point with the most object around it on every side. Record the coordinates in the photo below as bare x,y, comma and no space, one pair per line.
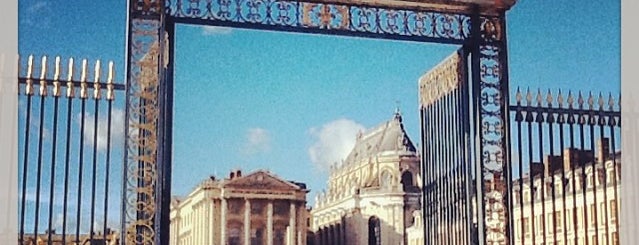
374,231
407,180
234,236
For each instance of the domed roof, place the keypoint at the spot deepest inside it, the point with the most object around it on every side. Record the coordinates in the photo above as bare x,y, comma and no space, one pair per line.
389,138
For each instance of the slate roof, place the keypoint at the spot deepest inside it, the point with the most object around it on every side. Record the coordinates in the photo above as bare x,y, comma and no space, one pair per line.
389,137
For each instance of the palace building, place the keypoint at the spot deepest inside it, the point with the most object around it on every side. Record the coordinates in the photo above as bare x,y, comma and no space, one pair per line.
579,201
372,195
259,208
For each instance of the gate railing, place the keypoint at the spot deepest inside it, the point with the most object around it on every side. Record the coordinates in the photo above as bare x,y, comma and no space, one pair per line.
70,132
565,168
448,173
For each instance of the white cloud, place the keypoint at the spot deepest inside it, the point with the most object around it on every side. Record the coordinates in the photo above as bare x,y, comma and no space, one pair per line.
257,140
37,7
332,142
117,129
215,30
35,14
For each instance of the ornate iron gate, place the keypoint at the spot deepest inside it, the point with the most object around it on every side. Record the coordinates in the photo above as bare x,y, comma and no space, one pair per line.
448,171
68,138
478,25
567,168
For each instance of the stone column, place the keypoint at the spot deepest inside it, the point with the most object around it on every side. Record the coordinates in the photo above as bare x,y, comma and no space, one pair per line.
292,223
247,222
199,222
195,225
223,222
211,229
269,223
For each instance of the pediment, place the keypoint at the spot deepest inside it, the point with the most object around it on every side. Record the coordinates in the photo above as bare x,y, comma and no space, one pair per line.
261,180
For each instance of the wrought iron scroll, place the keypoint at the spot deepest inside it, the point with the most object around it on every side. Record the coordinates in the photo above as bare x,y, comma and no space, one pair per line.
144,72
448,173
490,93
327,18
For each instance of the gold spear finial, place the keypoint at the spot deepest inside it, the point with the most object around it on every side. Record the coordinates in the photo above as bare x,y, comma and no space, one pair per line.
29,86
96,81
83,80
43,77
110,93
56,78
70,88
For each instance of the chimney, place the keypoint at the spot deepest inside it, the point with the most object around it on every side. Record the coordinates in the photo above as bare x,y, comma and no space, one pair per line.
574,158
536,169
603,149
552,164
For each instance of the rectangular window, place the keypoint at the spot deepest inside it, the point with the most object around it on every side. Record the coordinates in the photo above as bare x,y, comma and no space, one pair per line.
580,218
613,211
550,223
558,220
615,238
593,218
602,214
593,240
569,219
526,227
609,176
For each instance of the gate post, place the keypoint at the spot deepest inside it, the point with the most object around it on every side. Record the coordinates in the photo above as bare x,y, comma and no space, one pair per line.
144,208
491,145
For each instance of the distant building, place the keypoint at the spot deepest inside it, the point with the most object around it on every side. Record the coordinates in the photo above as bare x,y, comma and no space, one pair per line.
111,238
371,196
259,208
572,215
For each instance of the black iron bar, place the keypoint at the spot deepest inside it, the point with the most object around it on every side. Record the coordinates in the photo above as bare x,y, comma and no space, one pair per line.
27,126
458,204
455,168
94,168
519,118
66,170
437,171
550,119
605,156
561,121
582,163
531,175
430,175
468,163
447,167
573,168
50,82
560,110
53,161
540,134
591,123
422,167
616,175
80,163
429,167
39,163
107,166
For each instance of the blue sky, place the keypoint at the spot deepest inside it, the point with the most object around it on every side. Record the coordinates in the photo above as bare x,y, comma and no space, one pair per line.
287,102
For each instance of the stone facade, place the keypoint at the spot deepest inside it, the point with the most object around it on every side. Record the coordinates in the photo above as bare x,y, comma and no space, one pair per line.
259,208
372,194
590,220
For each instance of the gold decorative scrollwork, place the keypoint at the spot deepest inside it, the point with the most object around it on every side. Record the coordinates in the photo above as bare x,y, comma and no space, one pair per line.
442,79
325,16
